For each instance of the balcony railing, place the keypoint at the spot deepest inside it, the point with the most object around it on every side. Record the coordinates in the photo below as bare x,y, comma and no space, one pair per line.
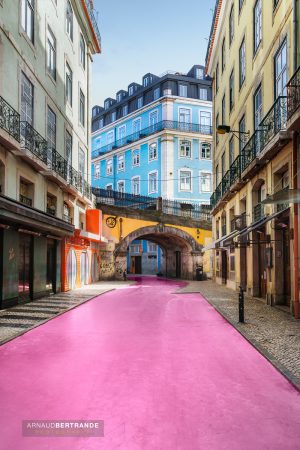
155,128
32,141
25,200
274,122
67,218
121,199
9,119
293,94
90,9
258,212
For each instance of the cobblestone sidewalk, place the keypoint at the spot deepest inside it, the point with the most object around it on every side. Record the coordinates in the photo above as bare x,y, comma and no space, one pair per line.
274,332
21,318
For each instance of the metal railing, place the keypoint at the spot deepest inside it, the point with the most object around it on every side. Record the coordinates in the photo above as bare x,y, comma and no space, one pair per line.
273,122
293,94
90,9
51,211
155,128
25,200
32,141
176,208
67,218
9,119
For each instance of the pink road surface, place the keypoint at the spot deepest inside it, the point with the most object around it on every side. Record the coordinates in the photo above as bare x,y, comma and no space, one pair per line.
163,370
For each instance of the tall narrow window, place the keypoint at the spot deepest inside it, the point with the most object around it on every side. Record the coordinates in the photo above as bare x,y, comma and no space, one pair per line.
281,70
223,54
223,164
231,25
51,54
26,99
231,90
69,84
81,162
217,77
51,133
156,93
69,145
242,129
109,167
202,94
257,103
182,90
185,180
199,73
257,23
217,124
152,183
82,51
82,108
153,118
122,134
27,18
242,62
69,20
185,149
205,182
140,102
231,151
241,2
136,185
152,151
136,126
224,109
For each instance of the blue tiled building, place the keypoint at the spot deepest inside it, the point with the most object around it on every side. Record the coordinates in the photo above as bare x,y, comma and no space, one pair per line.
155,139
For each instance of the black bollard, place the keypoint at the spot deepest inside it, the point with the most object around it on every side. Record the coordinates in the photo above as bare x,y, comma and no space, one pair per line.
241,305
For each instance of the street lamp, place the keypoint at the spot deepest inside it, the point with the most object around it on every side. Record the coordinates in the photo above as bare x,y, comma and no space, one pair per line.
225,129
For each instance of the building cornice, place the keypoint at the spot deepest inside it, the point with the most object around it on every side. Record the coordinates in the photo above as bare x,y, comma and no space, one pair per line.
214,34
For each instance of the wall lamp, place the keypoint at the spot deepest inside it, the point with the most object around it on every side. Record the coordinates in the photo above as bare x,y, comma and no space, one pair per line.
225,129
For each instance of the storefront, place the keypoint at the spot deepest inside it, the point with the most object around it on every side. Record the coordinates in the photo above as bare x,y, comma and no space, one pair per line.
30,248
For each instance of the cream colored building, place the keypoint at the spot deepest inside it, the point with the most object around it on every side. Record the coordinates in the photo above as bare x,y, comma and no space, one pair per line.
46,49
252,54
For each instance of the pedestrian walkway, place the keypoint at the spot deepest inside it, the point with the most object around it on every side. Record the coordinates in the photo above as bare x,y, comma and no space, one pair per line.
162,370
273,331
21,318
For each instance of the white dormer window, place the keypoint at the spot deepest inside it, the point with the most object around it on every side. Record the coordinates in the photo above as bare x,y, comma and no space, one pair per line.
125,110
119,97
182,90
140,102
130,90
106,104
199,73
146,81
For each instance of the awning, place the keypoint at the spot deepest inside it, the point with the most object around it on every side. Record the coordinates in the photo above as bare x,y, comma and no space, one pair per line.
283,196
259,223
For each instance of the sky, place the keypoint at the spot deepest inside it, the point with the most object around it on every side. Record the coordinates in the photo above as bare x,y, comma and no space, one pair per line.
141,37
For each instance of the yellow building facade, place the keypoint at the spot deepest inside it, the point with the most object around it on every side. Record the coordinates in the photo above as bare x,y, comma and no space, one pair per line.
252,55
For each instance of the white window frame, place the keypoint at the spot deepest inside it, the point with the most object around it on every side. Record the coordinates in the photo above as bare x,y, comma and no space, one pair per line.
106,104
205,97
122,167
190,115
130,90
135,121
151,146
200,150
179,187
69,20
180,94
69,83
109,172
124,108
181,141
121,128
198,69
97,171
51,53
136,153
257,19
137,177
109,134
81,108
205,114
203,173
152,113
155,190
140,102
28,7
118,186
82,51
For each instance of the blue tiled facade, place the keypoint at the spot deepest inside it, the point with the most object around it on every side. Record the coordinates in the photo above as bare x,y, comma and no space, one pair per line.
156,138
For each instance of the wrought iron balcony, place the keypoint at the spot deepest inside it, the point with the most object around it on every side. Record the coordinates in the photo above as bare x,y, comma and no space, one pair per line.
274,122
249,152
235,170
26,200
226,182
258,212
293,94
9,119
155,128
90,10
31,140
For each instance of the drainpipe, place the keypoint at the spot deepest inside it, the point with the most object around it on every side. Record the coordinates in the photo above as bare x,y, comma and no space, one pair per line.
296,240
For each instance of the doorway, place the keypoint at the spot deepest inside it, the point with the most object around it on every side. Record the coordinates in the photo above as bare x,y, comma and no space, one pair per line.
136,265
51,265
178,264
286,266
262,269
224,266
25,267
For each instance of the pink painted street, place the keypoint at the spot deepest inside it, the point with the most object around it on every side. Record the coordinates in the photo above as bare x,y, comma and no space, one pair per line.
163,370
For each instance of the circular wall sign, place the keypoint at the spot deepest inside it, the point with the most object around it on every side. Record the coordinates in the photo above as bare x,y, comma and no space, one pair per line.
111,222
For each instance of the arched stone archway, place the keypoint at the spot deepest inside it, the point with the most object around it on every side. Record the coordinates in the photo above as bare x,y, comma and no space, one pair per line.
182,252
